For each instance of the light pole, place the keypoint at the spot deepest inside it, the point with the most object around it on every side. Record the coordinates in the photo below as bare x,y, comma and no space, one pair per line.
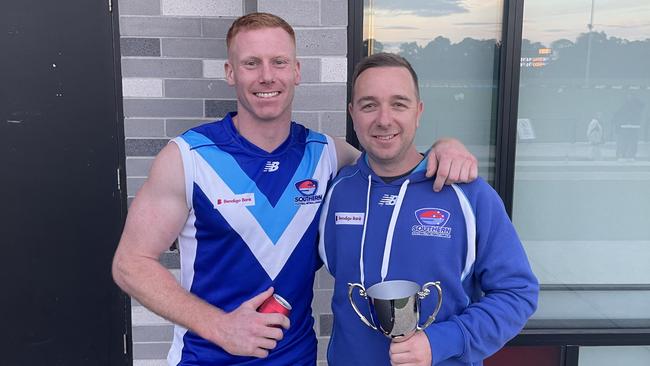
590,26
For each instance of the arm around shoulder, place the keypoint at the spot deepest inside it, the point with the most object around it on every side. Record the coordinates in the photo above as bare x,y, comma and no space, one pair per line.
346,154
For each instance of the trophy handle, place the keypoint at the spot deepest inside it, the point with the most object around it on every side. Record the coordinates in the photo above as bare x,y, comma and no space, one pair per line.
424,293
362,292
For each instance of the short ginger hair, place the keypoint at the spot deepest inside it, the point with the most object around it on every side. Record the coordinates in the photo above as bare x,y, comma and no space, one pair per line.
258,21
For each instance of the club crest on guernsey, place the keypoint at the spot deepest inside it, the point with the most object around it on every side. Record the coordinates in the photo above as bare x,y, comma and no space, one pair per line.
432,222
308,189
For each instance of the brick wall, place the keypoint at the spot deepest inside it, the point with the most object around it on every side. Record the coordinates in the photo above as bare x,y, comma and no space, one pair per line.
173,53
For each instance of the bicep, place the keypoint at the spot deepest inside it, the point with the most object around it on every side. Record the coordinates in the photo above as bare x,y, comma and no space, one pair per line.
159,209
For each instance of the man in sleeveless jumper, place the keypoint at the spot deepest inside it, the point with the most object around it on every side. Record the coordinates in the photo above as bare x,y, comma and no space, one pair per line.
243,195
382,222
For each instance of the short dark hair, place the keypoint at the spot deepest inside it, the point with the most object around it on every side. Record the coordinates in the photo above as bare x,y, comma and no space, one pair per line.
258,21
384,59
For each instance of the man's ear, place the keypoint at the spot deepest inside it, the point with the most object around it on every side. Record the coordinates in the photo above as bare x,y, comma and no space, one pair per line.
420,110
297,71
229,71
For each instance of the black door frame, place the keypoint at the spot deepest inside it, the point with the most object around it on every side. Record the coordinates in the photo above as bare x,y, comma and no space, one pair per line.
124,305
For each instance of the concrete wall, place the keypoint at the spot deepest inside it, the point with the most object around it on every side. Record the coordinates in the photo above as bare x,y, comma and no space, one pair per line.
173,53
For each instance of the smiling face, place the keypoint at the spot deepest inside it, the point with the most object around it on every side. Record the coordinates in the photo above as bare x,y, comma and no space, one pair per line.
262,66
386,113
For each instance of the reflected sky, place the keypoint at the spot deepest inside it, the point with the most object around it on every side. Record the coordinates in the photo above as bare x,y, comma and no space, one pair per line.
397,21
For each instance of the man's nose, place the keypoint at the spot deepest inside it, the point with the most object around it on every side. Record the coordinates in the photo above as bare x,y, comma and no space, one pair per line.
384,117
267,74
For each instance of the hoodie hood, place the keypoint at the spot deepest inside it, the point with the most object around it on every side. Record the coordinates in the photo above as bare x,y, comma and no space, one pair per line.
417,175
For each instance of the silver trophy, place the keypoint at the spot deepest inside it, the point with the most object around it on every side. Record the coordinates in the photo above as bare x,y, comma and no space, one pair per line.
395,306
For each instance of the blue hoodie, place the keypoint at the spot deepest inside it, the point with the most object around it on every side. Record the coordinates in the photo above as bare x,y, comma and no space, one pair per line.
460,236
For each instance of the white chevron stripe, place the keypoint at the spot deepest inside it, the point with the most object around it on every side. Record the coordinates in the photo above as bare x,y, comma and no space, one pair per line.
271,257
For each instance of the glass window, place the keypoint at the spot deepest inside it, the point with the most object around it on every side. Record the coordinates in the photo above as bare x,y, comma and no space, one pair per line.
581,199
607,356
452,45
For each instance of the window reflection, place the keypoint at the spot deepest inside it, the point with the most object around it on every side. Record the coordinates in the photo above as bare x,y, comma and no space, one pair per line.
453,46
582,176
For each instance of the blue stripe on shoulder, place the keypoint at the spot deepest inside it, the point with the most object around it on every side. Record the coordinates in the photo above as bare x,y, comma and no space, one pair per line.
195,139
316,137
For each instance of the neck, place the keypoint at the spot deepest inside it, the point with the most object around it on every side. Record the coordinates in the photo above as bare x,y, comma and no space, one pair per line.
398,166
267,135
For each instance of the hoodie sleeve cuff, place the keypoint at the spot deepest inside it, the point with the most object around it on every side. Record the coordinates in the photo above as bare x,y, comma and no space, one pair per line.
446,340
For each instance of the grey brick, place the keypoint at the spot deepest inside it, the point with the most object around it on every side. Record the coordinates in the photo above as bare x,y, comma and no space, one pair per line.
160,26
322,348
163,108
219,108
135,127
140,46
216,28
325,279
153,333
321,42
324,97
144,147
296,13
326,321
139,7
307,119
209,8
159,362
199,89
194,47
250,6
333,123
153,350
176,127
334,12
322,302
162,68
171,259
133,185
138,167
309,70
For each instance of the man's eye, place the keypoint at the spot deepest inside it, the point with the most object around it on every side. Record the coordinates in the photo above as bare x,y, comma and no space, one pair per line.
367,107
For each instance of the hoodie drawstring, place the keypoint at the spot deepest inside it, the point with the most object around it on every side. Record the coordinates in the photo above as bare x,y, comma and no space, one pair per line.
363,234
391,230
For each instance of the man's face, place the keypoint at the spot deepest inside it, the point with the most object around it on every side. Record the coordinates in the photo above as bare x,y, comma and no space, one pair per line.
263,68
386,112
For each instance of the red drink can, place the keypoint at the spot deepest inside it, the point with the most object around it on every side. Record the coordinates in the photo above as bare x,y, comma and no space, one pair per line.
275,304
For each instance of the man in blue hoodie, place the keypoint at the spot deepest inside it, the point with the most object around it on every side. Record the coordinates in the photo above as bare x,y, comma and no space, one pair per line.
399,229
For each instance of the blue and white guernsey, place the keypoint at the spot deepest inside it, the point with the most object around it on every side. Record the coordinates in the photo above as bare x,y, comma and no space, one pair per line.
253,223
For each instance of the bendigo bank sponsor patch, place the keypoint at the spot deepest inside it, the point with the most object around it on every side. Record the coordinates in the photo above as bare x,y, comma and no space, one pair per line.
348,218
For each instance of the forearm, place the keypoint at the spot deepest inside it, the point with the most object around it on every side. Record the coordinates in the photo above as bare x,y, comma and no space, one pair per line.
154,286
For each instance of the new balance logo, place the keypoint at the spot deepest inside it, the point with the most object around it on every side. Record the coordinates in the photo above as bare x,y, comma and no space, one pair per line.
271,166
388,200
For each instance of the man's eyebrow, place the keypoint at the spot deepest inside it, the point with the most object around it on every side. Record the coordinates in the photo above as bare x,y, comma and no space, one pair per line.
401,97
367,98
